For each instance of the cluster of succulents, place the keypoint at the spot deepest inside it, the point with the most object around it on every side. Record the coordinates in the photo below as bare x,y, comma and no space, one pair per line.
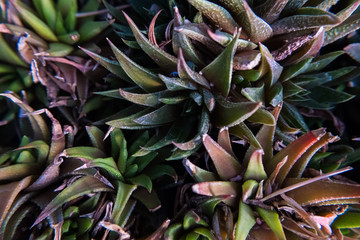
109,111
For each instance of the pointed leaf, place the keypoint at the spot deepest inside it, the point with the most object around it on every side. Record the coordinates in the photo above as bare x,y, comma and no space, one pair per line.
245,222
272,219
37,24
323,191
111,65
123,194
216,14
162,58
255,169
343,29
306,18
294,151
142,77
8,194
81,187
226,165
255,27
163,115
242,131
219,71
228,114
199,174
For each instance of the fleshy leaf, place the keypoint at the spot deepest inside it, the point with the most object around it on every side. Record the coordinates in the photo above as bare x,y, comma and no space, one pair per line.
294,150
245,222
219,71
185,72
162,58
144,78
37,24
199,174
353,50
216,14
350,25
306,18
163,115
323,191
111,65
255,27
219,188
347,220
255,169
226,165
242,131
269,68
81,187
228,114
8,194
123,194
272,219
181,41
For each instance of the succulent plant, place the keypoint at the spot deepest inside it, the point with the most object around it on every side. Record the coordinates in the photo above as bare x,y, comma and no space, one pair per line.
87,155
275,188
73,187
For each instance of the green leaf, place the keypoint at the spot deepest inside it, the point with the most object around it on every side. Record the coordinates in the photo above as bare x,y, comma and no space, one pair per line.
191,220
254,94
347,220
143,181
255,27
305,18
245,222
59,49
350,25
175,84
142,77
181,41
49,12
229,114
37,24
8,194
81,187
199,174
163,115
111,65
162,58
255,169
149,199
149,99
262,116
185,72
269,68
216,14
296,69
8,55
90,153
293,117
123,193
90,29
96,137
226,165
219,71
242,131
39,126
271,217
